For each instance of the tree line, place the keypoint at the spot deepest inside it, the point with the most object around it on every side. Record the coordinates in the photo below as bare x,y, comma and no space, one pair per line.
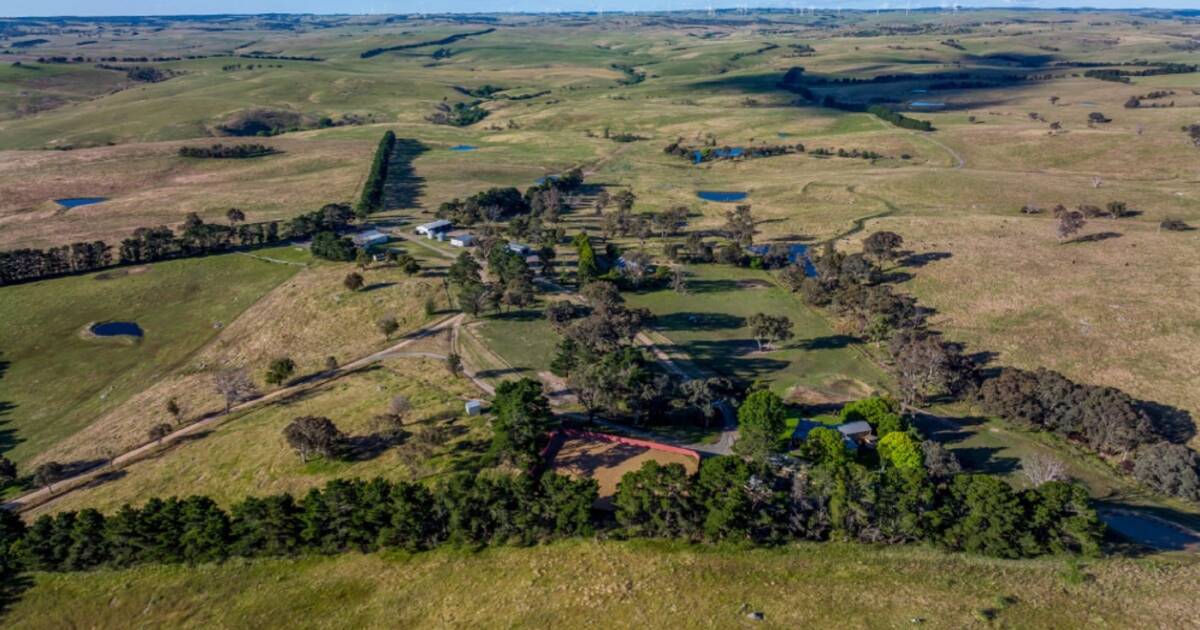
375,52
898,119
372,192
929,368
221,151
153,244
905,491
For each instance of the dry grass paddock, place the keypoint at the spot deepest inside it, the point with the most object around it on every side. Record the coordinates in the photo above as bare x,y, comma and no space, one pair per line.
607,462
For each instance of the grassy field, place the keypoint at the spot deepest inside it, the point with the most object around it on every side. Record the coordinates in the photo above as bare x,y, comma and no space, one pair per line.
708,324
308,318
149,184
57,382
626,584
247,456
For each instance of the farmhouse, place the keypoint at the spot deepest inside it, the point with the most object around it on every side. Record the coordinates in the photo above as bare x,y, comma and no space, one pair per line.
854,434
434,228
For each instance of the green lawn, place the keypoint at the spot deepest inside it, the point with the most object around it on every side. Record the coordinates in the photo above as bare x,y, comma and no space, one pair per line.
56,382
708,323
522,338
615,584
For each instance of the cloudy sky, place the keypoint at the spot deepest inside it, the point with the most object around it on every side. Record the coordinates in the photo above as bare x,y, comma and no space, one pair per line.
10,8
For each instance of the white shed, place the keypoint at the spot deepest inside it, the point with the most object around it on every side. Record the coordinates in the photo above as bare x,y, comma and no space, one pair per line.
474,407
433,228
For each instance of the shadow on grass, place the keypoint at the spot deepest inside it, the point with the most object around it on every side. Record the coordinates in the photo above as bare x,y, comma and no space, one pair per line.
499,372
737,359
698,321
1093,238
376,286
711,286
523,315
8,437
920,260
829,342
11,588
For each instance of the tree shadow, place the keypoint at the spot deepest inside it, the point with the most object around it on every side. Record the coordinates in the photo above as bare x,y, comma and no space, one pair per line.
737,359
362,448
376,286
402,187
711,286
698,321
920,260
984,459
945,430
522,315
895,277
11,589
499,372
8,437
1093,238
829,342
1173,423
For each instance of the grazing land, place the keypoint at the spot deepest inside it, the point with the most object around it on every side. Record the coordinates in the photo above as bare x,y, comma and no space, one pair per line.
625,584
980,194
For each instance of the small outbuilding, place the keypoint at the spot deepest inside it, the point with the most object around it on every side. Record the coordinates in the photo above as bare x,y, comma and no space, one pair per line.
474,407
518,248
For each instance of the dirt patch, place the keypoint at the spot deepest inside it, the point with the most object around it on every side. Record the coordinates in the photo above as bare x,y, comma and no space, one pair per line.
834,392
607,462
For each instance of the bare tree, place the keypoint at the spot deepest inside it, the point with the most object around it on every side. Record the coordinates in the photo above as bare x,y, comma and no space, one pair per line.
399,407
235,386
1040,469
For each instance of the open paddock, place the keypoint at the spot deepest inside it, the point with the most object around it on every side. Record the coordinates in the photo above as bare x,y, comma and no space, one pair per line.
606,458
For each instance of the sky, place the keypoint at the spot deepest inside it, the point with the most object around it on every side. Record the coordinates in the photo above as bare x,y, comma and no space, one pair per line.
16,8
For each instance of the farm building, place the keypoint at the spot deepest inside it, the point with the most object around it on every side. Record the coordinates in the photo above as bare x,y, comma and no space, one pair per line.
369,238
434,228
462,239
473,407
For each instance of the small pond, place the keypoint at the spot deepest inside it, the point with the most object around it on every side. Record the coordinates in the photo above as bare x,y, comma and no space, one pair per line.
797,253
75,202
1149,531
927,104
463,147
721,197
542,180
116,329
719,153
